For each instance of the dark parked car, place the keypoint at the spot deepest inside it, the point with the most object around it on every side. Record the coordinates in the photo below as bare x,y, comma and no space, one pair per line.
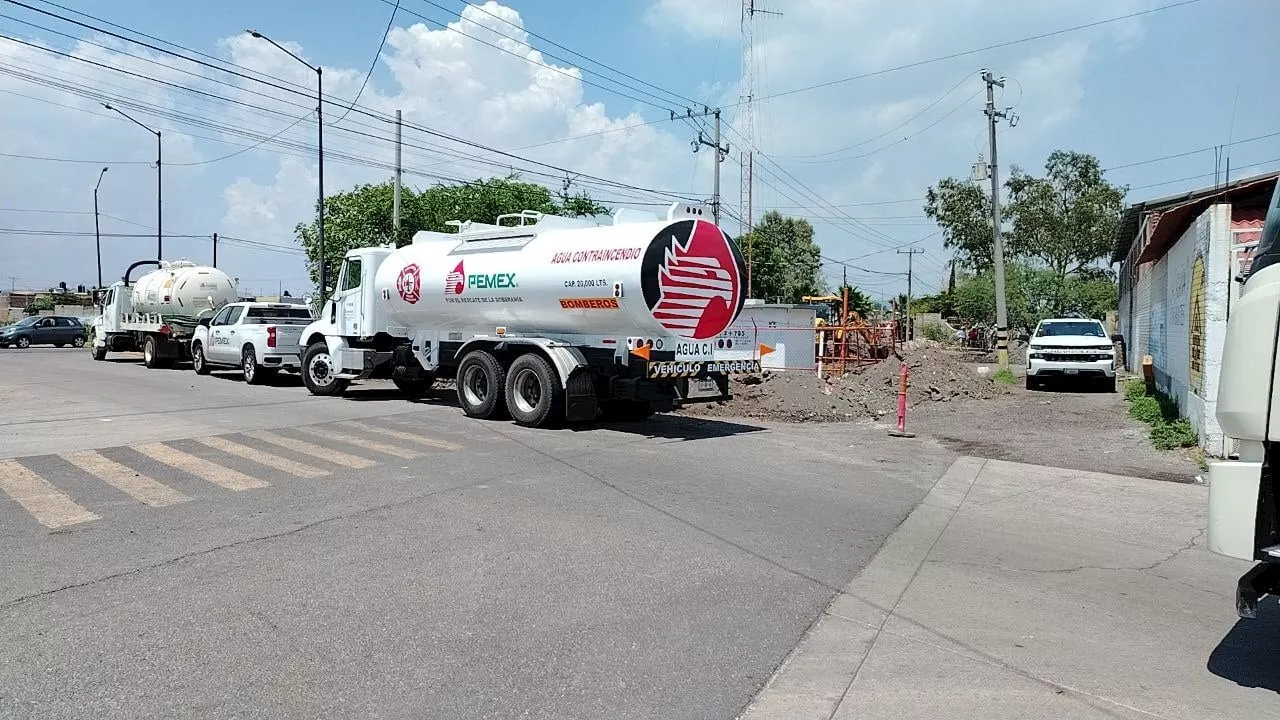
53,330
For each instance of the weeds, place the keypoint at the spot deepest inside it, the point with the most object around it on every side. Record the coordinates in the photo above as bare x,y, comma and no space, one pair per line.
1004,376
1168,429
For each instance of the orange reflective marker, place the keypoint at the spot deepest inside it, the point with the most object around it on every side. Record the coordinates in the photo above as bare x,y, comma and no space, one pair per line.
642,351
765,349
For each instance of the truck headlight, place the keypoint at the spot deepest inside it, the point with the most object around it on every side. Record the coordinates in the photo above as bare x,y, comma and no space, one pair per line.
1036,356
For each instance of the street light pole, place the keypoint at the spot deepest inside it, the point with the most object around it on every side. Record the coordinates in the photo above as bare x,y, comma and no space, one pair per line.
159,181
320,253
97,233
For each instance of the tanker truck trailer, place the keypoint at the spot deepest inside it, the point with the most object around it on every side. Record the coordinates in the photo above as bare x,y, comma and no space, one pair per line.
542,318
158,312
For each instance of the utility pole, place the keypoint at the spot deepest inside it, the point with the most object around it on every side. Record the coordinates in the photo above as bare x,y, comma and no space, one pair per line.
395,207
910,253
215,249
722,152
746,125
97,233
997,244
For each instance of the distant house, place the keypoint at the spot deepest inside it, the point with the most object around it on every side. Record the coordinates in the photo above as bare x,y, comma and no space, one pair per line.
1178,257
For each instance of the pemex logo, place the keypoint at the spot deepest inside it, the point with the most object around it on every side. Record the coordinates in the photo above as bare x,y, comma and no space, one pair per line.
692,276
456,281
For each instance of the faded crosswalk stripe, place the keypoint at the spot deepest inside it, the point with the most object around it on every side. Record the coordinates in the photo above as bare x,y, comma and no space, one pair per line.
361,441
50,506
201,468
135,484
263,458
410,437
317,451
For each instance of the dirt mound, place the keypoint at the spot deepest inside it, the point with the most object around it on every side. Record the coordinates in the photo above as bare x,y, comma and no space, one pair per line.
935,375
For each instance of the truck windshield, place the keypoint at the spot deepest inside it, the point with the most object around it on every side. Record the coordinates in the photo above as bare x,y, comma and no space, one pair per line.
261,315
1084,327
1268,252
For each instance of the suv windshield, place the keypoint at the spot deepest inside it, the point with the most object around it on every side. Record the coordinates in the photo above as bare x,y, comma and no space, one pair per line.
1084,327
27,322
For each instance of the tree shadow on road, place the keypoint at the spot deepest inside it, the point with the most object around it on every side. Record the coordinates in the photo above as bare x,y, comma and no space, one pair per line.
1247,655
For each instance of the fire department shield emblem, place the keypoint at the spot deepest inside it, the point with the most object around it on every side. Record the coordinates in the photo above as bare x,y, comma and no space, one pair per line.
409,284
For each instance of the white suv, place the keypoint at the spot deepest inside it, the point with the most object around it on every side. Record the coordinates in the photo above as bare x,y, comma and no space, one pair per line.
1074,348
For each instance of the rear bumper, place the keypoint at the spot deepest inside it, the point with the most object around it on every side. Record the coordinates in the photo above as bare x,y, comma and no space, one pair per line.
282,360
1048,368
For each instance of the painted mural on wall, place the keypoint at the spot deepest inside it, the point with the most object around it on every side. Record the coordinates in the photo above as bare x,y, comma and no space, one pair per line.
1196,335
1157,335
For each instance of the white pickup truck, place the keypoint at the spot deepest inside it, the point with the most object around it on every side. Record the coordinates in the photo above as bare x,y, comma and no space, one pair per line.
259,338
1071,349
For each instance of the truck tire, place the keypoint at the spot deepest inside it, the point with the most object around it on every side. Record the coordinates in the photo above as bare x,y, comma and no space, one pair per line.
414,387
482,385
151,354
535,395
317,371
99,353
198,361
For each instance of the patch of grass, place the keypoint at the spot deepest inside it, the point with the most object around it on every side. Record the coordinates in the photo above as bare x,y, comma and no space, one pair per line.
937,333
1004,376
1168,429
1176,434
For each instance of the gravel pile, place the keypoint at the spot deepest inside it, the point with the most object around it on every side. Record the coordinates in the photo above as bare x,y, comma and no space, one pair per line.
936,375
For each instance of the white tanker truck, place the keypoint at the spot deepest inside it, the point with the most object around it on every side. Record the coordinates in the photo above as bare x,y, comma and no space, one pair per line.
543,318
1244,494
158,312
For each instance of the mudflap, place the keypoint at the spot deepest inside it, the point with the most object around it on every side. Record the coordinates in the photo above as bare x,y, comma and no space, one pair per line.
580,402
1262,580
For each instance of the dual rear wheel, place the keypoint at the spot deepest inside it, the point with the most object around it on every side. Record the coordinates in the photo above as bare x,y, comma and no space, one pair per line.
529,391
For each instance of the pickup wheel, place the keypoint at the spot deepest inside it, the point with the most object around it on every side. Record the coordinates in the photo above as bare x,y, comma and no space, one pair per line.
535,395
317,371
1032,383
481,385
254,374
198,361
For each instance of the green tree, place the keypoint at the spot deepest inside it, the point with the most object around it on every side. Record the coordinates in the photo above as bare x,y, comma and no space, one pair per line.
786,263
963,211
363,216
859,302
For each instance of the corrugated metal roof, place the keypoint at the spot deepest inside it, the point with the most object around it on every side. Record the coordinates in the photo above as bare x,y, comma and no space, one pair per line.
1131,218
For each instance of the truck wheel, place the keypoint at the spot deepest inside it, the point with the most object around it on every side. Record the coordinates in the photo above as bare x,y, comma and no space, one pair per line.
317,371
414,387
481,385
99,353
1032,383
198,361
535,396
151,354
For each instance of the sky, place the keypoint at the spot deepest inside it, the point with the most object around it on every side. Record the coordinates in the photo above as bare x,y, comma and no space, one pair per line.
860,106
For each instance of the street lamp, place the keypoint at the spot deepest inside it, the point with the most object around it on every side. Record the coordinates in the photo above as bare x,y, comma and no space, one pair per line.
159,184
324,290
97,235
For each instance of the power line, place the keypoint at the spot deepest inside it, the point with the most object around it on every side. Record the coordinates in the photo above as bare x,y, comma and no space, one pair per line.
372,63
964,53
1190,152
1202,175
899,126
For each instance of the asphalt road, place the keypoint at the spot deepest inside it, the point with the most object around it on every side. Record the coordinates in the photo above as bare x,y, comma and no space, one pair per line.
183,546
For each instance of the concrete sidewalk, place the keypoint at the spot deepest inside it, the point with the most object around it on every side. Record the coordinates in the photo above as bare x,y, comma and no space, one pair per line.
1020,591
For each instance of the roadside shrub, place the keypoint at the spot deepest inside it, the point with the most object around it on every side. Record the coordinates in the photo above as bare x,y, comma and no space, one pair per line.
936,333
1176,434
1146,409
1004,376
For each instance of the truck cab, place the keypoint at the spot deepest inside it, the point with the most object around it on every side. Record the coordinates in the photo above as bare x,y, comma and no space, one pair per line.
1244,492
